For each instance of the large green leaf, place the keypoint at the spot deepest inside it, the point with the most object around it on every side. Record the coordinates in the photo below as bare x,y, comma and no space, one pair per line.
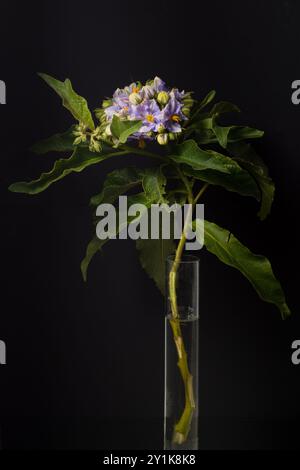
76,104
57,143
246,156
256,268
154,183
122,129
191,154
153,254
96,243
80,159
118,182
239,180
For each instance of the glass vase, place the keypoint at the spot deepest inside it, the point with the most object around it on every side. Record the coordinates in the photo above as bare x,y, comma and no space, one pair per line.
181,354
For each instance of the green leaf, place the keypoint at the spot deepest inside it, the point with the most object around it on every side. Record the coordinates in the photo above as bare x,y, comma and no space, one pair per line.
57,143
256,268
235,134
207,99
245,155
202,104
239,180
207,121
123,129
76,104
238,133
191,154
154,183
153,254
224,107
80,159
221,133
118,182
93,247
211,134
96,243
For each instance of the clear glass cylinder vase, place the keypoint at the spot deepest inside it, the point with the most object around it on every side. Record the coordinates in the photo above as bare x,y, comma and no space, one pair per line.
181,354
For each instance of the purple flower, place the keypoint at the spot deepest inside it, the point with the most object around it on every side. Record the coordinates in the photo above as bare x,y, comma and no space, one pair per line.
171,115
159,85
149,112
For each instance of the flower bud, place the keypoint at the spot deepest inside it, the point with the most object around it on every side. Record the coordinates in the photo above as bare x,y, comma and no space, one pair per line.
172,136
135,98
163,97
162,139
106,103
95,146
188,101
188,94
186,111
77,141
161,128
148,92
108,130
99,112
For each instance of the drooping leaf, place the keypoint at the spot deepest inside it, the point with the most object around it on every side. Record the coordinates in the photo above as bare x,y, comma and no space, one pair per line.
77,105
154,182
122,129
56,143
256,268
246,156
93,247
96,243
191,154
118,182
80,159
239,180
153,254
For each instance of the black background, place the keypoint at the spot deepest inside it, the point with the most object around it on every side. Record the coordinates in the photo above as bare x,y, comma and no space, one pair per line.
85,362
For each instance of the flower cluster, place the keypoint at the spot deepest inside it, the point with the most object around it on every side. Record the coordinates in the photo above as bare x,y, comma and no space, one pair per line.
162,110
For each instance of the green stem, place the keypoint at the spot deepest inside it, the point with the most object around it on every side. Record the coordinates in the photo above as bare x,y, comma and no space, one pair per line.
202,191
182,427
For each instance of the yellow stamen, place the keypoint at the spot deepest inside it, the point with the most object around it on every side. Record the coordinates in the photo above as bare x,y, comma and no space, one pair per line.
135,89
150,118
175,118
125,108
